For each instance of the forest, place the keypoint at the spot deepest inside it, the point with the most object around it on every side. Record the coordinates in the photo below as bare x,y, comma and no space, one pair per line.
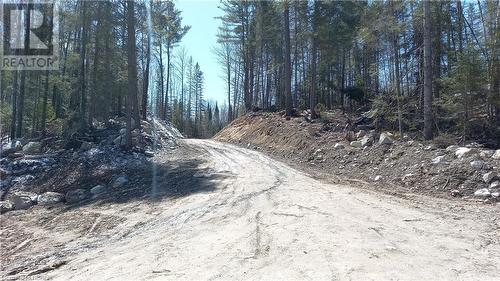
426,68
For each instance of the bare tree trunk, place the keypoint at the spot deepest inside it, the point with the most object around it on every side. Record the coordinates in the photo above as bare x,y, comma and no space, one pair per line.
428,123
14,106
287,66
83,83
313,95
131,70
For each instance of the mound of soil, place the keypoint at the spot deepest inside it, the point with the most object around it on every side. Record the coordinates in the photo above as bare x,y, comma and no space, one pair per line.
323,148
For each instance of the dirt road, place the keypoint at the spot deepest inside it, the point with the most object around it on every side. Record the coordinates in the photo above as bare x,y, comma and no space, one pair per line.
253,218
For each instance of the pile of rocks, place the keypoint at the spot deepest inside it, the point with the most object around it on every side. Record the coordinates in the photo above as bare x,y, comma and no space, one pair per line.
365,139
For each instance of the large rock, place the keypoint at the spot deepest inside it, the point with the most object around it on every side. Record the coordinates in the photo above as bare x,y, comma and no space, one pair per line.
21,202
463,152
49,198
483,192
33,196
75,196
32,147
120,181
496,155
86,145
6,206
495,185
360,134
338,146
385,139
452,148
489,177
439,160
10,148
97,190
367,141
477,164
356,144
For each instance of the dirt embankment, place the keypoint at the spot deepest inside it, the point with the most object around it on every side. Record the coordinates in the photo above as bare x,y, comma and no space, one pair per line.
335,150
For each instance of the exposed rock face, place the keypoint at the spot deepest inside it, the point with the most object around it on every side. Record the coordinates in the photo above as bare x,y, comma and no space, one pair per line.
32,147
49,198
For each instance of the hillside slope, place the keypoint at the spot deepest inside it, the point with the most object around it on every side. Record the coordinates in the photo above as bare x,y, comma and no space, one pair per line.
329,150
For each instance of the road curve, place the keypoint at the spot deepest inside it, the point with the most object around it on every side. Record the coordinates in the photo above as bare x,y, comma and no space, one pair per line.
267,221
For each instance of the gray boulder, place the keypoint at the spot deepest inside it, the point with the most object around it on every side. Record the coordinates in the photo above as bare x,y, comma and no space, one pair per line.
360,134
489,177
97,190
10,148
385,139
75,196
367,141
21,202
495,184
6,206
483,192
86,145
32,147
120,181
33,196
477,164
49,198
496,155
439,160
339,146
356,144
463,152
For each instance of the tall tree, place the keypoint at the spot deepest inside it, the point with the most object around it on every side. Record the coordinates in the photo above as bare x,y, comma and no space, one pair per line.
428,120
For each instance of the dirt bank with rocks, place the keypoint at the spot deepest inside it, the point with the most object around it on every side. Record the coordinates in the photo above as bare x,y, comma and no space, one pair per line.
339,149
84,167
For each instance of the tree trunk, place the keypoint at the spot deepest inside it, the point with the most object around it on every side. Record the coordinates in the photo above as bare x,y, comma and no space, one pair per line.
428,123
287,67
313,95
83,84
131,70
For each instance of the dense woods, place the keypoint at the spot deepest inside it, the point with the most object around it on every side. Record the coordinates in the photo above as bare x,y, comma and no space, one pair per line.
427,68
117,58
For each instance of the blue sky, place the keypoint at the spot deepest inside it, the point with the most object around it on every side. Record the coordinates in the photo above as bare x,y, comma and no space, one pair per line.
199,41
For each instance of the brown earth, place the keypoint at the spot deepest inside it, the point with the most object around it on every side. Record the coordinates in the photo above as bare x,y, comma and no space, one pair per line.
402,168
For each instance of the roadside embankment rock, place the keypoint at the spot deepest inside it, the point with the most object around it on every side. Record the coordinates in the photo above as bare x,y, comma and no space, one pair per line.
10,148
385,139
32,148
463,152
496,155
489,177
75,196
483,192
97,190
439,160
21,202
338,146
120,181
477,164
367,141
356,144
49,198
6,206
495,184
